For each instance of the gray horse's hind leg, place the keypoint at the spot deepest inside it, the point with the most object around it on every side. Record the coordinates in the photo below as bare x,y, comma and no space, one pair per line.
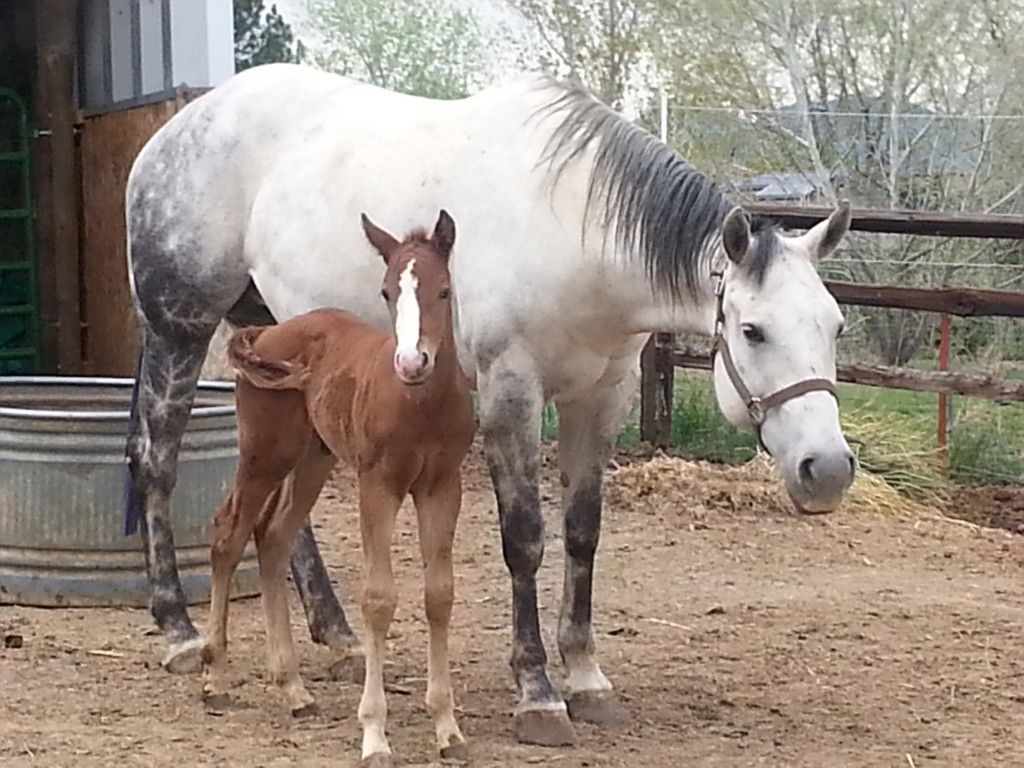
167,374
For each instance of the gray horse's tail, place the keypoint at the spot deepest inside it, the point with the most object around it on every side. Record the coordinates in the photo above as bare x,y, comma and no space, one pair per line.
132,504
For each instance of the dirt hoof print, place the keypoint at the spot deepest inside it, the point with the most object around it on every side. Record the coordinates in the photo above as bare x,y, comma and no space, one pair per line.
603,709
306,712
545,728
379,760
455,754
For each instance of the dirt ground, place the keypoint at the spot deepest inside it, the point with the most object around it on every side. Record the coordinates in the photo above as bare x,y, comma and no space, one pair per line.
736,634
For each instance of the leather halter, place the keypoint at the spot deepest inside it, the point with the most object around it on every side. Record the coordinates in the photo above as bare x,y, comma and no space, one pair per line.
757,407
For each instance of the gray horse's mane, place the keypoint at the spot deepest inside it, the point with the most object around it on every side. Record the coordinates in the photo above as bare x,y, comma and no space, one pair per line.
663,210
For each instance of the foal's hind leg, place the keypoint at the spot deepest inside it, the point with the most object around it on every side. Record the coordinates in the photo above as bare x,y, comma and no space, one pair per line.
437,511
274,541
324,614
587,431
232,527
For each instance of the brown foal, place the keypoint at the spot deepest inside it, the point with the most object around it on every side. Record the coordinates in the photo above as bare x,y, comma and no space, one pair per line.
395,406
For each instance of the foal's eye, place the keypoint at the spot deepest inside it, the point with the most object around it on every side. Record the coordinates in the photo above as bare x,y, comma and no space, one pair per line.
752,333
384,295
445,293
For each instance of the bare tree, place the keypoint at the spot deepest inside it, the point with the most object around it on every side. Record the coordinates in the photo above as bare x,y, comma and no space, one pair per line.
601,44
895,103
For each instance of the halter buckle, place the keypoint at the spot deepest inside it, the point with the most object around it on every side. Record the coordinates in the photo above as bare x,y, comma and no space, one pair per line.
755,408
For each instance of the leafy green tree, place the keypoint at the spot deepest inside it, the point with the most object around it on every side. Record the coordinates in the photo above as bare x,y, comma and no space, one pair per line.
423,47
262,36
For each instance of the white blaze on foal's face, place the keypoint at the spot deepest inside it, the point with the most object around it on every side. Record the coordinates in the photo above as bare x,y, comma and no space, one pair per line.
417,290
411,363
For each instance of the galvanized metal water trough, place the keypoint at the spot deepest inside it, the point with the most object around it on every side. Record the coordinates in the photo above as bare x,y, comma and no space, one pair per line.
62,467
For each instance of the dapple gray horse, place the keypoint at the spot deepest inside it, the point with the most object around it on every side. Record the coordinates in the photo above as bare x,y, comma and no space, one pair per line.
580,235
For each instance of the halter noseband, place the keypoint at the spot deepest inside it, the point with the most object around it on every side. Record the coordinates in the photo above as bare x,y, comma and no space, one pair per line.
757,407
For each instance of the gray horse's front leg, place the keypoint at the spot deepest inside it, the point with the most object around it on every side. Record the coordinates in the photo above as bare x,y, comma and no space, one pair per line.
510,413
587,430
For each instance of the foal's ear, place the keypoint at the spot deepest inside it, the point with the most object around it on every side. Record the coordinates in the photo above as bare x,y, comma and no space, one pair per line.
444,233
736,235
824,237
379,239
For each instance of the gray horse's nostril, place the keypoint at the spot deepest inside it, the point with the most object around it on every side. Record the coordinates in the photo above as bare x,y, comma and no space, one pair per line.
853,464
806,471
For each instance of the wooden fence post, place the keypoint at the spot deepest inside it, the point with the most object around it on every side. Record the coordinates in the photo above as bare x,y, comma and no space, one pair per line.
943,426
657,381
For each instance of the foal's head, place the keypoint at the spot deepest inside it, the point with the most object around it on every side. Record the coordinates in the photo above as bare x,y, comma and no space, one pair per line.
417,289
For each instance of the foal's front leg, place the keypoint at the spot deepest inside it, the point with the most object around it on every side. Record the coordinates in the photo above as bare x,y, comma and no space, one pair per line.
437,512
378,506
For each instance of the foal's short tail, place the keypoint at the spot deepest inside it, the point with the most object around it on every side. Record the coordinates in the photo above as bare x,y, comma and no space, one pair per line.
260,371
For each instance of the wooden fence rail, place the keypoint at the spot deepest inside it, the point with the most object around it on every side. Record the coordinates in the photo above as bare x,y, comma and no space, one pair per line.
987,225
970,384
965,302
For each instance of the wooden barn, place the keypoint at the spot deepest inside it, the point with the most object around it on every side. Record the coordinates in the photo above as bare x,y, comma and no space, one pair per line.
83,85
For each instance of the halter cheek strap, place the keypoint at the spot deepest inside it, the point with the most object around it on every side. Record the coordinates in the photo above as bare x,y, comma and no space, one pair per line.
757,407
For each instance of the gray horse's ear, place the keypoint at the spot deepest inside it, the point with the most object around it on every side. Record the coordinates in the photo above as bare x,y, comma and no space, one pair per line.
736,235
379,239
823,238
444,233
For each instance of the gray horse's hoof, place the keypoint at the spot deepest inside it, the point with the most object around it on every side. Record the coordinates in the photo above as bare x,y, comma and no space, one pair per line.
217,703
377,760
184,658
545,727
351,669
456,753
306,711
598,708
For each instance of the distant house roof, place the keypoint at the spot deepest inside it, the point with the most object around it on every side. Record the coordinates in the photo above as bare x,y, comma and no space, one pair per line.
784,186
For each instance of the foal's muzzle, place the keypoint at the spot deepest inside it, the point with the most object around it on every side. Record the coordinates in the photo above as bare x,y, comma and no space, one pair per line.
413,368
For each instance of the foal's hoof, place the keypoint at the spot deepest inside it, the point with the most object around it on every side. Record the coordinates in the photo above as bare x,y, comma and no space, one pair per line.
216,703
377,760
545,727
598,708
184,658
306,711
456,753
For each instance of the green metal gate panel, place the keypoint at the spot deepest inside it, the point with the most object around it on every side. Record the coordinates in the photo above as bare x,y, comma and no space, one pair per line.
19,302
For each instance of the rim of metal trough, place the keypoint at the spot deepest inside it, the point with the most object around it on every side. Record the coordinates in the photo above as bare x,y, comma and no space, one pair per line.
17,412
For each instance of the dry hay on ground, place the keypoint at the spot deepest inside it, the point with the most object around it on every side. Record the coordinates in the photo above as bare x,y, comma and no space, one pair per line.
697,487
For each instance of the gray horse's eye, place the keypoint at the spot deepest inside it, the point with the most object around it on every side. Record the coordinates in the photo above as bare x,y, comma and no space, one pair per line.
752,333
